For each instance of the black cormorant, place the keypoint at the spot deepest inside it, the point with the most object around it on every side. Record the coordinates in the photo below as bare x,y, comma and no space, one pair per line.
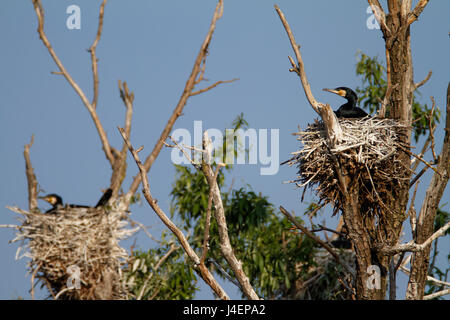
105,198
57,202
348,110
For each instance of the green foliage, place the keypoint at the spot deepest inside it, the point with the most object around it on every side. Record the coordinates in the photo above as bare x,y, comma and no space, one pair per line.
373,75
373,90
174,279
273,257
261,240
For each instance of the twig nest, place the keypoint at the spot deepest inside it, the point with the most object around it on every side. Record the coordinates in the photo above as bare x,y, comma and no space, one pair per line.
367,154
75,252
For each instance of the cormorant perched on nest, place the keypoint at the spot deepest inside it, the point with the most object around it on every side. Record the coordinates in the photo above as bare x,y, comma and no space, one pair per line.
349,109
57,202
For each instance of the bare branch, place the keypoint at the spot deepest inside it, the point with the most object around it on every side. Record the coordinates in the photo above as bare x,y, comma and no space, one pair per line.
199,267
106,147
429,278
415,162
158,264
431,128
380,15
333,129
219,213
31,177
212,86
420,6
208,215
318,240
94,57
437,294
420,159
414,247
387,96
120,164
421,83
190,85
299,68
412,214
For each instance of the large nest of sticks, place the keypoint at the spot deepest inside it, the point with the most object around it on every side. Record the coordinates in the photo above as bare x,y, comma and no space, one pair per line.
73,243
367,154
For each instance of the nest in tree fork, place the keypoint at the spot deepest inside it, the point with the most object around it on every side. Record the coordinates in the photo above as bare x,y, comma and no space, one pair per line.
75,243
368,155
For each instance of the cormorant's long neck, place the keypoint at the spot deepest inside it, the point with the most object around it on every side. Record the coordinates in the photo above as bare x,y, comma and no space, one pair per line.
351,103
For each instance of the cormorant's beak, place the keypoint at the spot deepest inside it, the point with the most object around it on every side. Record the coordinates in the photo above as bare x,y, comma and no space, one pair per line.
48,199
338,92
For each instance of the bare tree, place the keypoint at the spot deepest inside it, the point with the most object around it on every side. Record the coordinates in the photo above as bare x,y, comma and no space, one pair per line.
380,248
117,159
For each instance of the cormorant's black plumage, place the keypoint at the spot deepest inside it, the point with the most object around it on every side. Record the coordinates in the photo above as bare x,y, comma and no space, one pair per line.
57,202
349,109
104,199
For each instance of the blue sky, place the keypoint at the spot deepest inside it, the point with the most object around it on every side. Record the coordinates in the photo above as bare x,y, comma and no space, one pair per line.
152,45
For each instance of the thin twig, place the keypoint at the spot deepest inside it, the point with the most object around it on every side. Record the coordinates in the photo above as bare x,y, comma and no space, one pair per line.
160,262
190,85
421,83
102,134
417,11
414,247
31,177
212,86
299,68
437,294
219,214
93,55
199,267
318,240
380,15
432,128
420,159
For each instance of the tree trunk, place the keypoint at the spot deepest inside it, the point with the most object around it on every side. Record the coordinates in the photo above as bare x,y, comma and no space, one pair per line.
395,29
427,215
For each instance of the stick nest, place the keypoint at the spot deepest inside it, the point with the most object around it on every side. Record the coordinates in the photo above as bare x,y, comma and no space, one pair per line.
367,155
75,239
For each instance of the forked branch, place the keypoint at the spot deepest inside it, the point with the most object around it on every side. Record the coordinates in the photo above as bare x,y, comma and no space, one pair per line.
62,70
199,267
195,77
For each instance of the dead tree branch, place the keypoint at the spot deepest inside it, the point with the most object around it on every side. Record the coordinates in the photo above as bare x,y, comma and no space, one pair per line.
318,240
437,294
414,15
380,15
334,131
208,215
31,177
187,92
62,70
200,268
219,213
414,247
158,264
425,222
421,83
93,54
